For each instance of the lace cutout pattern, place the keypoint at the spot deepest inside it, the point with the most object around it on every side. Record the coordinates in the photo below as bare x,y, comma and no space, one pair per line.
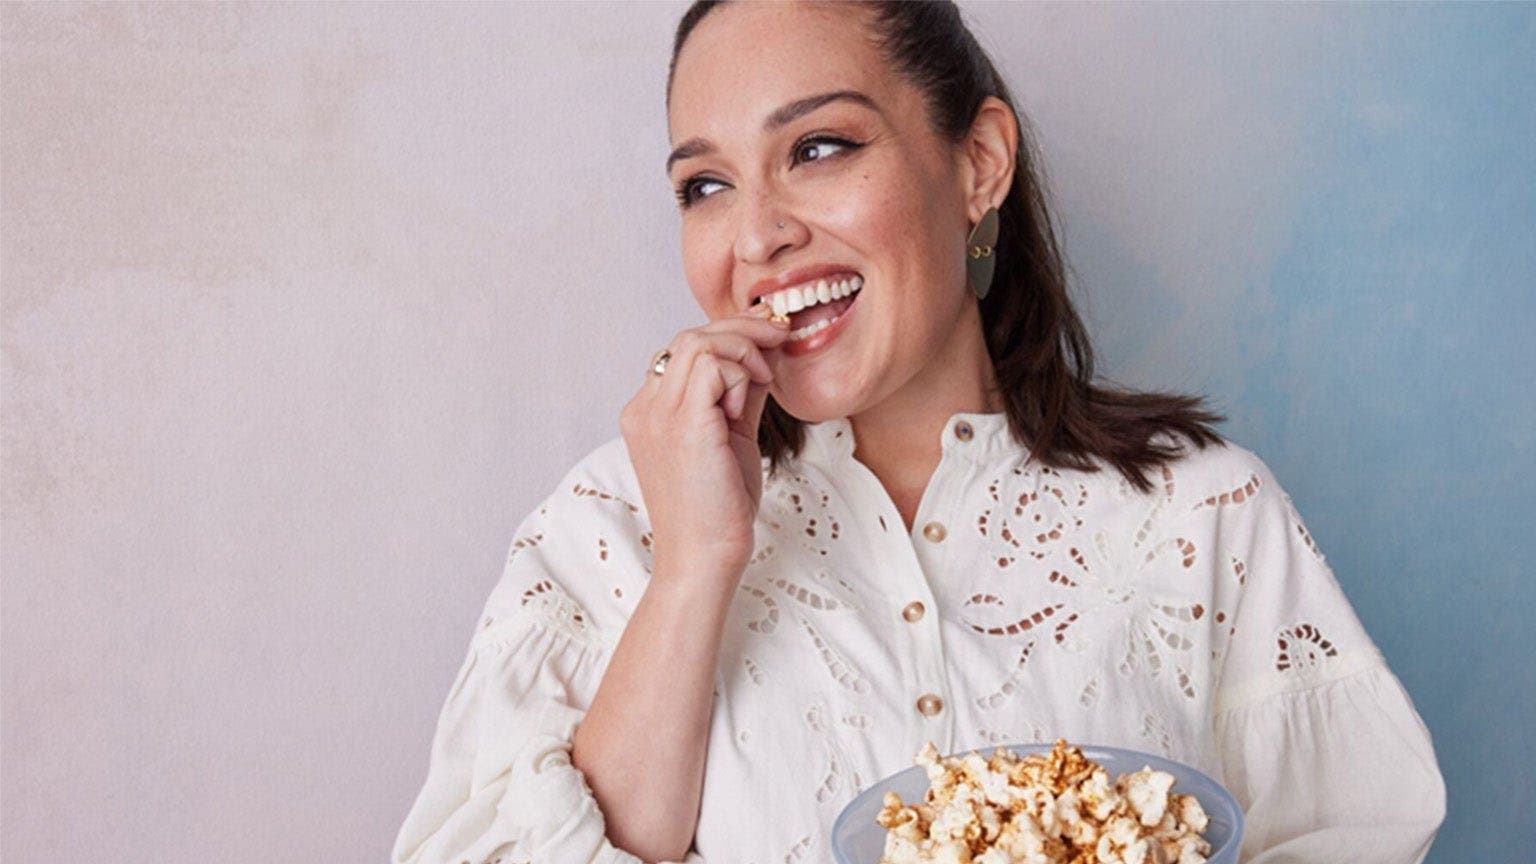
798,508
1033,733
1131,579
798,850
808,596
1089,695
755,672
837,774
1009,626
1032,521
1301,529
838,586
1155,729
524,541
770,620
1303,650
585,492
1005,690
1233,496
559,611
581,490
841,670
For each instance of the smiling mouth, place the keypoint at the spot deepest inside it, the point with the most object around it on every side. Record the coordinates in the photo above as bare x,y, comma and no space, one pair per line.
809,322
813,306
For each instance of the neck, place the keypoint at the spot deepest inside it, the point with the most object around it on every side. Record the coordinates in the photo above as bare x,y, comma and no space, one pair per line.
898,439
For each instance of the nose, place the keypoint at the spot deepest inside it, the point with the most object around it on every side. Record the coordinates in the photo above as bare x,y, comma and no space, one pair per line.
766,228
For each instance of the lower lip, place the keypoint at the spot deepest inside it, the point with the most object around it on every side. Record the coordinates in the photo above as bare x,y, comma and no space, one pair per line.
823,337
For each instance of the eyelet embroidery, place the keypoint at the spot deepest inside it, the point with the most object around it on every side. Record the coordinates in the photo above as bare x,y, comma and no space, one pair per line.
554,606
521,542
841,670
1303,650
1040,517
805,595
754,671
1007,628
798,850
836,774
581,490
1301,528
1035,733
592,493
785,511
1006,689
1232,496
1155,729
1089,696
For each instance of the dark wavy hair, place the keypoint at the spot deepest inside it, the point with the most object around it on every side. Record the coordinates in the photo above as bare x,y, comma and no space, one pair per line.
1039,348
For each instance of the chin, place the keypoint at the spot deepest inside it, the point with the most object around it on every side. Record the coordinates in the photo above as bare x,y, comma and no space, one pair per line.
817,405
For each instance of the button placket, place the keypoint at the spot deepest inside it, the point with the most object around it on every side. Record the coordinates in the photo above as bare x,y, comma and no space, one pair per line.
930,544
925,676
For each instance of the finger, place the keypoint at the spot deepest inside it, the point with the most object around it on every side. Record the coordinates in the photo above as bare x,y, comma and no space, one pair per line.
751,415
716,382
754,326
669,388
730,345
690,344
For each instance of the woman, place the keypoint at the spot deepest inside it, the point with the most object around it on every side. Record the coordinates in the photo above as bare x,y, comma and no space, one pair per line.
816,546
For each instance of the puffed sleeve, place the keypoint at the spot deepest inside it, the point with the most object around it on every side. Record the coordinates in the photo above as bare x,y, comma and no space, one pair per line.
1319,741
500,784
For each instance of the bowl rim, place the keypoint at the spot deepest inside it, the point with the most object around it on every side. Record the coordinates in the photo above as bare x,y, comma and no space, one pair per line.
1156,762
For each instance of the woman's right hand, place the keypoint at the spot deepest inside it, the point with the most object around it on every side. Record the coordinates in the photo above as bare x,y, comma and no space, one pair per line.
692,438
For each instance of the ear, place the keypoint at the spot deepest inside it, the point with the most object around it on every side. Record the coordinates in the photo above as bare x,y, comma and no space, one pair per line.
988,157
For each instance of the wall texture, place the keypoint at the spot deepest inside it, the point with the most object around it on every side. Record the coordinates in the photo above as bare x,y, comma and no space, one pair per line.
305,306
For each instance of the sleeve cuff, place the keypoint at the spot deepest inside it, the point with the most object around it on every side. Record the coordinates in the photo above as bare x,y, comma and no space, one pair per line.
546,781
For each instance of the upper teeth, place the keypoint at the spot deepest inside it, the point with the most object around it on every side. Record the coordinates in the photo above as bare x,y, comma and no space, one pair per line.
807,295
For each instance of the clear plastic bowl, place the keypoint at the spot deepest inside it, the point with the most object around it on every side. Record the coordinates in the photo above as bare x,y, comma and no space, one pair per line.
858,839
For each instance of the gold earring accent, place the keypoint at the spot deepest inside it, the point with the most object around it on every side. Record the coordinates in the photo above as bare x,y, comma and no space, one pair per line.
979,248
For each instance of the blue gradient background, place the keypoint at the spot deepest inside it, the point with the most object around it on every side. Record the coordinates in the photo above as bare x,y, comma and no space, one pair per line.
1324,217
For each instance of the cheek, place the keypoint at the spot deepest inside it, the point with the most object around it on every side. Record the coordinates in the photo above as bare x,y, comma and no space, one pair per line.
707,267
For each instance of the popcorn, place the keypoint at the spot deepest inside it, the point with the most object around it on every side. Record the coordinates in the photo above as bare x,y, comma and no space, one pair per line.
1046,808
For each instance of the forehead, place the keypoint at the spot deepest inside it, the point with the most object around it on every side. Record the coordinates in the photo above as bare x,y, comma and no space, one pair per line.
745,59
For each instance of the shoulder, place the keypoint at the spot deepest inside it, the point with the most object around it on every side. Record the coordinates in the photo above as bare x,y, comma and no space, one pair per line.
1218,474
581,558
607,463
605,478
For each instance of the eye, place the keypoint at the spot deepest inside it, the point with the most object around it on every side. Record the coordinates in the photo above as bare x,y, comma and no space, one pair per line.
687,192
819,143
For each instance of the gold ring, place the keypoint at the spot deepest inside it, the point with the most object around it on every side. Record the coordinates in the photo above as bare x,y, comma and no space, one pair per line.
659,361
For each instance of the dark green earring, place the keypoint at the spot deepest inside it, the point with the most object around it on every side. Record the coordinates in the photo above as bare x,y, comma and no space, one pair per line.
981,257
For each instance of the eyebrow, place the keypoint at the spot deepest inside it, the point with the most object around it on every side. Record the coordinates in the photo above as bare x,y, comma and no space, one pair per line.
782,116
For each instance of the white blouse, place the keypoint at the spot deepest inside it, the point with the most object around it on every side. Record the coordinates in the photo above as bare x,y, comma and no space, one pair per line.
1199,622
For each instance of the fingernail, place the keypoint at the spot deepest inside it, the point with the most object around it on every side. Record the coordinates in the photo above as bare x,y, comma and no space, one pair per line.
761,310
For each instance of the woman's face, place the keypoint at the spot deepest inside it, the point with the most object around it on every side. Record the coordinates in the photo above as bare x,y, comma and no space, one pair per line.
866,187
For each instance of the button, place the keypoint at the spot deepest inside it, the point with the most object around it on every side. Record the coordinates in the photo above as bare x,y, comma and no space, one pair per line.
929,705
963,431
934,531
913,611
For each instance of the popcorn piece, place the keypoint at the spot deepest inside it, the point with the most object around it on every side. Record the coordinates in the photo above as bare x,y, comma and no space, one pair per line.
1046,808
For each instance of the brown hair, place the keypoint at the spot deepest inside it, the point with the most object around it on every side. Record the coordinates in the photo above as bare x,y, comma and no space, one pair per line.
1039,348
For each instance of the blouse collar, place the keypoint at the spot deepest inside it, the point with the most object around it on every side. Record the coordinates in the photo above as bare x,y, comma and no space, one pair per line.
965,435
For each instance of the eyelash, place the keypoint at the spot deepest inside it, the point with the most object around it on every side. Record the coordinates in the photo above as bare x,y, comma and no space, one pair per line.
684,192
